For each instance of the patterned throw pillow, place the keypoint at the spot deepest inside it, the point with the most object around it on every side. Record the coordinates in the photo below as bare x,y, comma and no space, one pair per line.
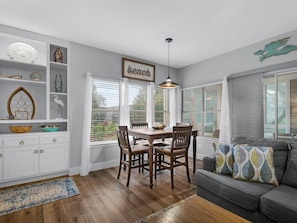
254,164
224,158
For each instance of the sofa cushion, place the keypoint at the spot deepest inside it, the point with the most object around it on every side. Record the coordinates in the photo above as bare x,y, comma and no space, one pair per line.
280,152
290,177
224,158
254,164
242,193
280,204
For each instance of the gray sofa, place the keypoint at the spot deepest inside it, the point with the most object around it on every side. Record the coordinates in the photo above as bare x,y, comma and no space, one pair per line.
257,202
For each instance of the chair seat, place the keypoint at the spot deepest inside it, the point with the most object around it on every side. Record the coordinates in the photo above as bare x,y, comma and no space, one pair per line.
139,149
167,151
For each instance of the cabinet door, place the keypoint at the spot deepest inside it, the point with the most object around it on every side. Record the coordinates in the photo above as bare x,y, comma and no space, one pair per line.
1,164
20,162
53,157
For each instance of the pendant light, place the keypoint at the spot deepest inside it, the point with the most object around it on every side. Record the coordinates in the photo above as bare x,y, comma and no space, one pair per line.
168,83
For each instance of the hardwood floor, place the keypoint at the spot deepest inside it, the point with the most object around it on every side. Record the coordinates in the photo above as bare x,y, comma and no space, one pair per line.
104,198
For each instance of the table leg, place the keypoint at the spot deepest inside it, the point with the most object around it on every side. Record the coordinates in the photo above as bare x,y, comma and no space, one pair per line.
194,152
150,158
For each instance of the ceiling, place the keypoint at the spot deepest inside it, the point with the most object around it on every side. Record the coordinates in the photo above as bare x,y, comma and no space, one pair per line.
200,29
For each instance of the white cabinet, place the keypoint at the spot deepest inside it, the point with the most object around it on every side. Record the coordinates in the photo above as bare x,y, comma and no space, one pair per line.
44,80
53,153
32,155
20,162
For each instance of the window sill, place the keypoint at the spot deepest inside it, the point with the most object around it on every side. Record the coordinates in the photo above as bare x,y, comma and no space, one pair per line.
96,144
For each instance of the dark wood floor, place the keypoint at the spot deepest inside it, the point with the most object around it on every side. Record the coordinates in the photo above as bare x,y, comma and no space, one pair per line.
103,198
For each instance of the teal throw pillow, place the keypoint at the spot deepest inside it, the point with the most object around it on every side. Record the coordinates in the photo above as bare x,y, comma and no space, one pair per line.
224,158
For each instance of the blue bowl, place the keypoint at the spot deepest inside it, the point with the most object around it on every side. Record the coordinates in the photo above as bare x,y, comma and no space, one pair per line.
50,129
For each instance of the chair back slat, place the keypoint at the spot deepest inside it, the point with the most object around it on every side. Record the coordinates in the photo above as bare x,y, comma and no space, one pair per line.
123,137
181,137
139,125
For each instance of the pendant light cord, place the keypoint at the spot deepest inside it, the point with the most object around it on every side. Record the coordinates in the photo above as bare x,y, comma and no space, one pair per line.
168,40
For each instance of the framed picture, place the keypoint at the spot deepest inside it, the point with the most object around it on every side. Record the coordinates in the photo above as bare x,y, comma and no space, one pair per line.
137,70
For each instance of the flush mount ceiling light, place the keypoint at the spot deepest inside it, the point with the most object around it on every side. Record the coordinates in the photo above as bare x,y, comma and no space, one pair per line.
168,83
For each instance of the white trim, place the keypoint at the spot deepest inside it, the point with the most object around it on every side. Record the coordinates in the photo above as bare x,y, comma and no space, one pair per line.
203,85
104,165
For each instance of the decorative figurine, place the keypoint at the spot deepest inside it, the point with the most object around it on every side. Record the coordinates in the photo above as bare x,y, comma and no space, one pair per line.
58,83
58,55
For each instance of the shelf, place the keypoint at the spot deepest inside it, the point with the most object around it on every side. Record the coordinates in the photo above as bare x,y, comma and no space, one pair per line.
12,122
21,65
21,81
58,66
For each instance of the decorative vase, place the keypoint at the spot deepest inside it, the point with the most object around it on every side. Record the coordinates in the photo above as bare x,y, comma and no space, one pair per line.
58,83
35,76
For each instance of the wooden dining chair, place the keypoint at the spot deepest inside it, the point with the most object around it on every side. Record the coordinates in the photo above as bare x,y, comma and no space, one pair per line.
139,125
130,156
176,154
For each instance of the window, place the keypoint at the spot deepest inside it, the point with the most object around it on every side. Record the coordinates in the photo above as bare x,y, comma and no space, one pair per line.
161,99
280,96
105,109
137,102
202,108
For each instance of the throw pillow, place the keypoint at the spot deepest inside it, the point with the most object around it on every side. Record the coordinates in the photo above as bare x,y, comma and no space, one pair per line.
254,164
290,177
224,158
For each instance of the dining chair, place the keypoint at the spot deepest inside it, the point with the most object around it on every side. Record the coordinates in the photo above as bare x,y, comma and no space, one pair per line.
135,153
183,124
176,154
139,125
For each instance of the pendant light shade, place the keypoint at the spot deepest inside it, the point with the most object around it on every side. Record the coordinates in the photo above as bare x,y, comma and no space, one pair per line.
168,83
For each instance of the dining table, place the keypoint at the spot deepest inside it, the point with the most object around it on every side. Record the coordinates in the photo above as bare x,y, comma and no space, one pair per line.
151,134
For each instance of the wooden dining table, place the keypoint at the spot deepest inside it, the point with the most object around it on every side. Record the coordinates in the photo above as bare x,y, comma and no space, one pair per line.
151,134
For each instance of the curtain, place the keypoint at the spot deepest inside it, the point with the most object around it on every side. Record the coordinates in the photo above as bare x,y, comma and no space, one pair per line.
225,126
124,105
247,105
86,129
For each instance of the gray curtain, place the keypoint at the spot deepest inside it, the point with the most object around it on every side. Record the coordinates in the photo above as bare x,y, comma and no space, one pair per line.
246,101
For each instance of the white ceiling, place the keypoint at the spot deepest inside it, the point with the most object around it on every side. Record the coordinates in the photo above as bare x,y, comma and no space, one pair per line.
200,29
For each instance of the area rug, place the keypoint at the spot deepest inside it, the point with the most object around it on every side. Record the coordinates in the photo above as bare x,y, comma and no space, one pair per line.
163,210
19,198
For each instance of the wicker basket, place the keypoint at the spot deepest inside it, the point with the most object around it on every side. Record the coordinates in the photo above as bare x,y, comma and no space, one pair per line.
20,129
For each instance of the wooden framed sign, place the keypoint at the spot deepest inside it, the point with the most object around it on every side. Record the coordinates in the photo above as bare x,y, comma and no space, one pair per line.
138,70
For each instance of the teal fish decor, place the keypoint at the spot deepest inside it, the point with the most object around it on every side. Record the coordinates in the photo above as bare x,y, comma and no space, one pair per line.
275,48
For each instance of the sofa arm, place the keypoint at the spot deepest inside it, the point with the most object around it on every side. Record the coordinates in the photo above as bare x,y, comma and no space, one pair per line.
209,164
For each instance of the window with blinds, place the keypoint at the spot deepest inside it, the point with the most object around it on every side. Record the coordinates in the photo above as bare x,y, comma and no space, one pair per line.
202,108
161,99
137,102
105,109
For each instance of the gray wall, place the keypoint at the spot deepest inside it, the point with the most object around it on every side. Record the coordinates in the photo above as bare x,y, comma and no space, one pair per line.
241,60
107,64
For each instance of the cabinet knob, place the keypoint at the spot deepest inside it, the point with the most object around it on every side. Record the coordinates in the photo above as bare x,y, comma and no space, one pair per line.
22,142
41,151
36,151
54,140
